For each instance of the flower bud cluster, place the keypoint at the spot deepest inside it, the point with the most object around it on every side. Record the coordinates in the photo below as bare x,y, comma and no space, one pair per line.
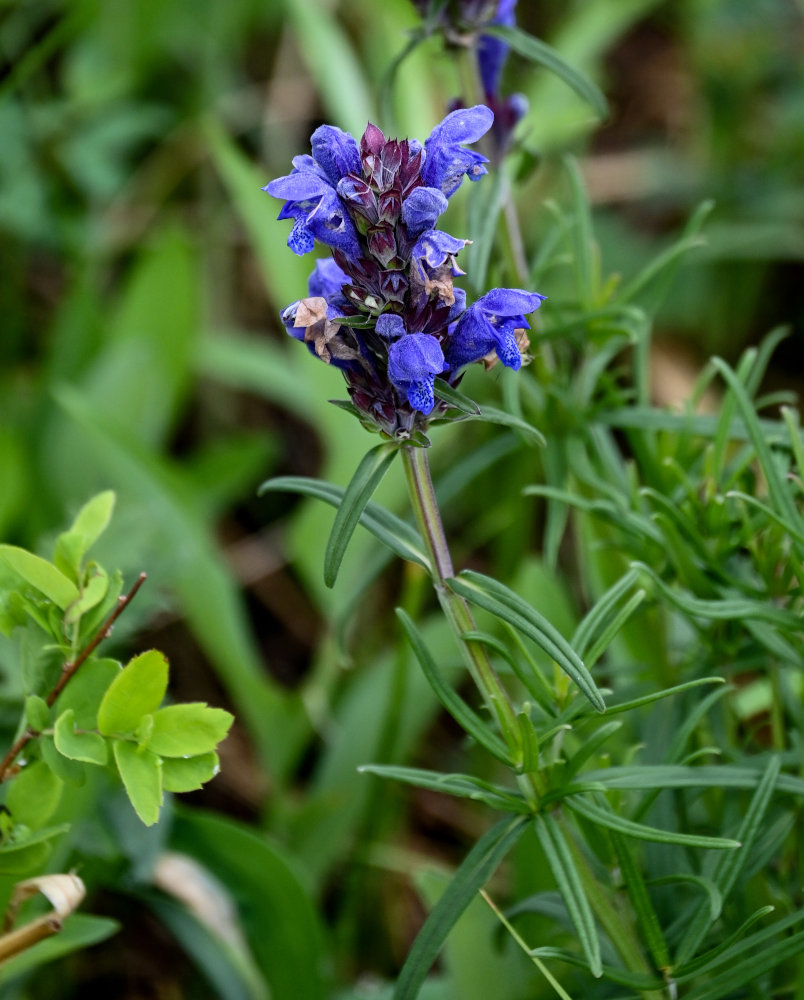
384,309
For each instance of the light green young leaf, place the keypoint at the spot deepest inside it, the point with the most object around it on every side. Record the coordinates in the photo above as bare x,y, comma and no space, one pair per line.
186,774
495,597
89,524
188,730
87,747
136,691
475,870
71,772
86,689
41,574
141,774
92,593
365,481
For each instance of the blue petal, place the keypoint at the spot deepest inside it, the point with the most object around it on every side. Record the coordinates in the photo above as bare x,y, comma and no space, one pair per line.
301,240
509,302
336,152
299,186
446,161
421,395
471,340
414,358
434,247
508,350
421,208
330,224
327,279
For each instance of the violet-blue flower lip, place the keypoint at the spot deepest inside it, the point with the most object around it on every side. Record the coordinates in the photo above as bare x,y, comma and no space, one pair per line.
489,325
413,363
446,160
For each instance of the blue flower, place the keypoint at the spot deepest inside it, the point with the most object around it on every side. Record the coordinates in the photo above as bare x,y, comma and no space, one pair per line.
446,161
413,363
489,325
492,52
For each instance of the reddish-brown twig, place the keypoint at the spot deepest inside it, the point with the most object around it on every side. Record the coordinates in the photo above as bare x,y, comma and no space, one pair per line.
68,670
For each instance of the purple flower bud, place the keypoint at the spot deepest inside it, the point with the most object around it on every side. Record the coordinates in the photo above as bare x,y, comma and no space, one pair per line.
390,326
421,208
381,243
413,363
446,161
336,152
489,325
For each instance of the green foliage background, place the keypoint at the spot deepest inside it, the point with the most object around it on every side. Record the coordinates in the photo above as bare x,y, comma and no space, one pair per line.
141,351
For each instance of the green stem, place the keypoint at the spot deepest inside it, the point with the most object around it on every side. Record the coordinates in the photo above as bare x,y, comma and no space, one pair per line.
428,517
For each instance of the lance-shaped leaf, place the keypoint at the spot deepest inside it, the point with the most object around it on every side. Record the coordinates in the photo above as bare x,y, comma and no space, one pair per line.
391,530
495,597
473,873
466,717
729,866
365,481
540,52
570,886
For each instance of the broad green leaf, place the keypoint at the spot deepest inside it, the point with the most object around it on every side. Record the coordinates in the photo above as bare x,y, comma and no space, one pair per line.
475,870
37,713
365,481
141,774
71,772
505,604
41,574
610,820
391,530
466,717
189,729
279,918
86,689
186,774
34,795
136,691
544,55
88,747
571,888
729,866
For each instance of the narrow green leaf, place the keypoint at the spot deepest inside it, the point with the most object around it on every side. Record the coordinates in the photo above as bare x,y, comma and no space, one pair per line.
597,616
539,52
391,530
729,866
713,897
188,729
750,968
448,394
610,820
136,691
677,776
498,599
141,774
794,530
736,944
646,915
466,717
634,980
648,699
41,574
475,870
590,746
87,747
491,415
463,786
571,888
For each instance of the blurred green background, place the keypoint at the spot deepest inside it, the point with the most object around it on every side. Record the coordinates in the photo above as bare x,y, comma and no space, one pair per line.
142,274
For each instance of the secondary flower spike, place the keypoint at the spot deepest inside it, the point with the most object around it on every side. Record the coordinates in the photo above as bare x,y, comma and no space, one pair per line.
383,308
